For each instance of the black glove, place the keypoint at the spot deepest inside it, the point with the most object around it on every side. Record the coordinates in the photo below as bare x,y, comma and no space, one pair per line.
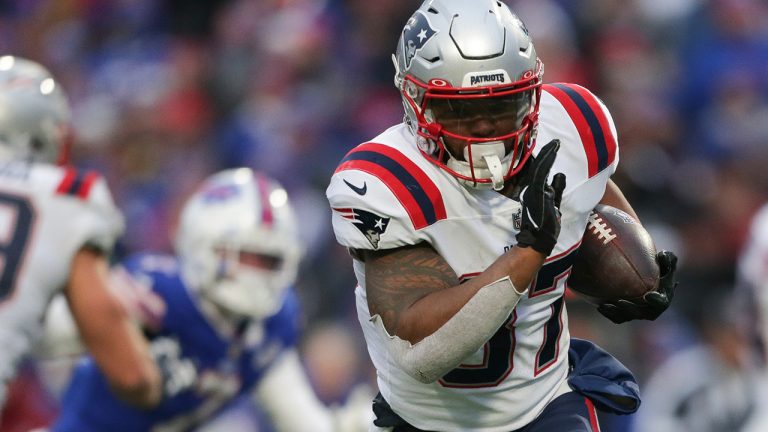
541,214
178,374
653,303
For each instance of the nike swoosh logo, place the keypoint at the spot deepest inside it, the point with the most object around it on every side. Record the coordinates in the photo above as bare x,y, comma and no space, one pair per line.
358,190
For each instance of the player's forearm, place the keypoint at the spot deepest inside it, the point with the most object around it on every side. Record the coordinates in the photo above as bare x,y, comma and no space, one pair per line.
123,355
114,342
142,386
426,315
428,321
284,391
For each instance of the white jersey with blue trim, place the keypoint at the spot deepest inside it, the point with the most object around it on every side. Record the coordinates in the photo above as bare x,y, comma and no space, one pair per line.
385,194
47,213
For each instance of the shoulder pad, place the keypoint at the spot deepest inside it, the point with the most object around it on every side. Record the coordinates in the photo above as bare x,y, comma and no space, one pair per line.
91,188
381,199
77,183
592,122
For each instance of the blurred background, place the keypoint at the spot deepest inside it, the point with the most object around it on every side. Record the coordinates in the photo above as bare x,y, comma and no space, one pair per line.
165,92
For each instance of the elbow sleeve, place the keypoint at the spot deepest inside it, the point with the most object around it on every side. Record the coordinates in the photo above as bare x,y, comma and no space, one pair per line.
463,334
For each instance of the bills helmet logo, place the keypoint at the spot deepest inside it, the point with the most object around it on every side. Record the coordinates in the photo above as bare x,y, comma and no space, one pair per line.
416,33
213,193
370,224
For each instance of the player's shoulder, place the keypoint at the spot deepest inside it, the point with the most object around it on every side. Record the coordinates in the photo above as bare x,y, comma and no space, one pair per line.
583,124
84,185
759,223
56,185
385,184
154,282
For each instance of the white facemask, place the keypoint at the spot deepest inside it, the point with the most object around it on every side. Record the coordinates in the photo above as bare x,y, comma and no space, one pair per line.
250,292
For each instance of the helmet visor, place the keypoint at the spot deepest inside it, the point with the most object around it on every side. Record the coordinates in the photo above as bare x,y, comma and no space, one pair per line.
459,114
252,260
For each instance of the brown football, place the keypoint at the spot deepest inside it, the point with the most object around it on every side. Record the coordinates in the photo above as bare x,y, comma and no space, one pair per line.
616,259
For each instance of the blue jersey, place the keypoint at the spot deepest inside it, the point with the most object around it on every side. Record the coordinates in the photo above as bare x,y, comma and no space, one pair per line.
228,367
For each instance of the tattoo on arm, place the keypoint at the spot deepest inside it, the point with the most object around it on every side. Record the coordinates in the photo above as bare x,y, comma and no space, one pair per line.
396,279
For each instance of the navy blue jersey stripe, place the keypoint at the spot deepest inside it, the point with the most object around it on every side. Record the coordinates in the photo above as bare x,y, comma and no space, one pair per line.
76,183
409,181
594,124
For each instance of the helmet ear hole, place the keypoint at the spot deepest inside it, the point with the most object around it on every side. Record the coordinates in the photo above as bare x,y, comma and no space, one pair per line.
36,144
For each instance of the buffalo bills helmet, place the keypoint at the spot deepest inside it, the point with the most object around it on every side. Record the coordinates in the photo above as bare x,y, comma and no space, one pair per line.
238,242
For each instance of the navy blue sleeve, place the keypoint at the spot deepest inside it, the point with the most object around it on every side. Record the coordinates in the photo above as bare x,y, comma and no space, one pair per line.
286,325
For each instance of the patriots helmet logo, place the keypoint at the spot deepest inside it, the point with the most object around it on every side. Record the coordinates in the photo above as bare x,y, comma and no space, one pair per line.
416,33
370,224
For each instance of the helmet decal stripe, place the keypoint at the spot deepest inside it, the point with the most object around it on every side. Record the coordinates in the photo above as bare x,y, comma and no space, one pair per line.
267,218
416,192
590,121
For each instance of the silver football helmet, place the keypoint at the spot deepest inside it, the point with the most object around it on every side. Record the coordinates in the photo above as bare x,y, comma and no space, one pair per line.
238,243
35,121
458,61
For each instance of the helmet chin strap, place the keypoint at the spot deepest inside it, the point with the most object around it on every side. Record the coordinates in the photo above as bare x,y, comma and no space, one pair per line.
486,161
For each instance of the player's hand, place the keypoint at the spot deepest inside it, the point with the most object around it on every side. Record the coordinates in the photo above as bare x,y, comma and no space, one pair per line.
356,414
178,374
540,225
653,303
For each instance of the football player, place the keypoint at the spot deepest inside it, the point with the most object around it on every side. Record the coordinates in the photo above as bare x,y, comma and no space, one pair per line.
752,284
57,228
224,314
463,222
752,277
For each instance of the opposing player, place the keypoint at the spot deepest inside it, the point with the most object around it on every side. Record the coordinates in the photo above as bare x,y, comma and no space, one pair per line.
57,227
463,223
224,310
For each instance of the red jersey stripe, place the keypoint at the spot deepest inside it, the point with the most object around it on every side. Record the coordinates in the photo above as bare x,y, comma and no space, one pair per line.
87,184
66,181
610,138
416,192
394,184
591,123
425,182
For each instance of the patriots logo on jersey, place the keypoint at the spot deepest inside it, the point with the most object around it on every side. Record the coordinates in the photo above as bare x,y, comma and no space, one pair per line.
416,33
370,224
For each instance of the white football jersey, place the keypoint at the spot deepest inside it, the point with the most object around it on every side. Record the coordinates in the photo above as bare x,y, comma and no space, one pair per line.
753,270
386,194
47,214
